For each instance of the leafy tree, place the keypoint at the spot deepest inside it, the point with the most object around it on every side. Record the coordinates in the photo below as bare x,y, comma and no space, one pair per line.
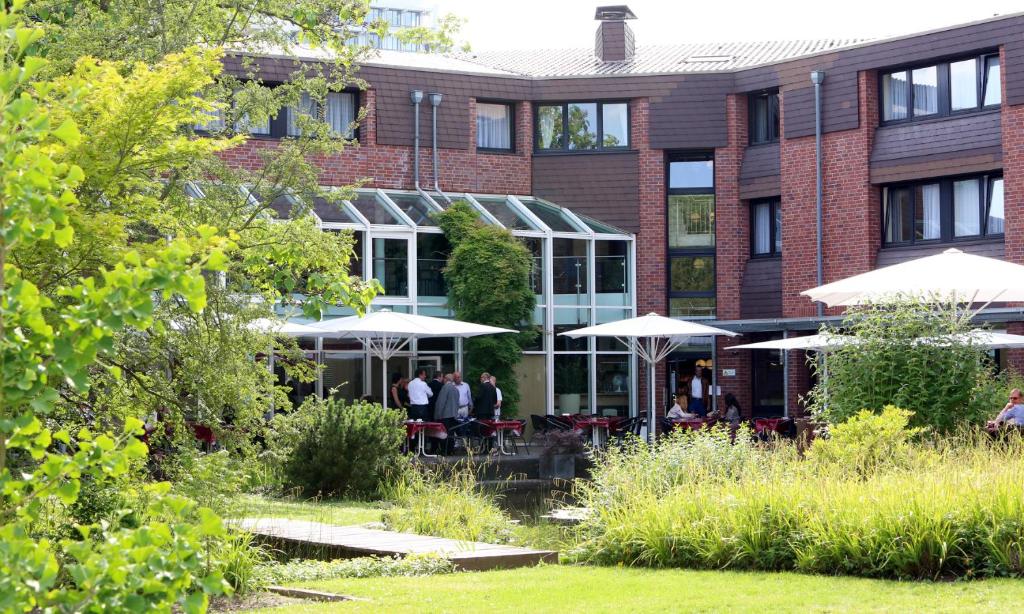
50,341
488,276
888,363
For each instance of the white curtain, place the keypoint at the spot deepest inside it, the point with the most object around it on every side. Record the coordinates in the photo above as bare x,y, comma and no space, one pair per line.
963,84
493,126
215,123
341,112
966,208
928,214
307,106
993,92
894,95
996,216
762,228
926,91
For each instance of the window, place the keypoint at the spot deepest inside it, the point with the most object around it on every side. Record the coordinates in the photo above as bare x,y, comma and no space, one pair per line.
766,227
691,235
582,126
943,210
764,117
494,126
964,85
339,114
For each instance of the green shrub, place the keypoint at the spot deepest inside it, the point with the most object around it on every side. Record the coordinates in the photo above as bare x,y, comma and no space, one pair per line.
888,364
213,480
238,559
311,570
448,506
954,508
867,441
346,450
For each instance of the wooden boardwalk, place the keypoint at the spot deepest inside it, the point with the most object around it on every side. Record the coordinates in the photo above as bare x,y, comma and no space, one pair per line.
347,541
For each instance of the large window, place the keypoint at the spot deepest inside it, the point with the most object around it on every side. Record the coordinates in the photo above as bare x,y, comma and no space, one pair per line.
766,227
939,89
582,126
691,235
943,210
339,111
764,117
494,126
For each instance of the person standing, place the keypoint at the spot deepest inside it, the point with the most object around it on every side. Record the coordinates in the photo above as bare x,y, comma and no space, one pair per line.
446,405
698,393
465,395
497,394
419,396
399,395
435,387
486,399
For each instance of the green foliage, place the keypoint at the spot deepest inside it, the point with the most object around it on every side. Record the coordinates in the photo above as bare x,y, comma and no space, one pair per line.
867,441
239,560
888,364
488,276
346,450
448,505
311,570
213,480
951,508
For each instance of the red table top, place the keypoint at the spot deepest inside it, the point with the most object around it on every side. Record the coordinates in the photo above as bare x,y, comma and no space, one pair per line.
770,424
502,424
593,421
413,427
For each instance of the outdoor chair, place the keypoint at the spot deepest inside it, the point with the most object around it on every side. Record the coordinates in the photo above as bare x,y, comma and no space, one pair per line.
540,424
555,423
517,439
625,427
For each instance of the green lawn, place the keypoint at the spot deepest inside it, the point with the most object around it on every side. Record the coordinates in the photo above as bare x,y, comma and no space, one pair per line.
602,589
329,512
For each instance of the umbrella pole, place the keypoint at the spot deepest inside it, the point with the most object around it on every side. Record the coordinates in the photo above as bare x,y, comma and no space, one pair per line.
652,424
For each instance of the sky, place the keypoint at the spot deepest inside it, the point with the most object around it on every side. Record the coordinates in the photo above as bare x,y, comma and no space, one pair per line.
552,24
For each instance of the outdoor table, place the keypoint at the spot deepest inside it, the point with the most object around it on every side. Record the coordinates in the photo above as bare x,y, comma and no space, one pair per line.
595,424
420,430
693,425
499,427
767,424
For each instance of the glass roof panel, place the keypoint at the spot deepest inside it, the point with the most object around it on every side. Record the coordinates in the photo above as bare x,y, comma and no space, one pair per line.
598,227
415,206
282,203
505,213
332,210
550,215
375,211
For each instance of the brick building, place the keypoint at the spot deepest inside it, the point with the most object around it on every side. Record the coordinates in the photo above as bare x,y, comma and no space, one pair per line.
703,157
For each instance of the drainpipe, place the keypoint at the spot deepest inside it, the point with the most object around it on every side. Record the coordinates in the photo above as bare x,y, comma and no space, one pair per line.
435,101
417,98
817,78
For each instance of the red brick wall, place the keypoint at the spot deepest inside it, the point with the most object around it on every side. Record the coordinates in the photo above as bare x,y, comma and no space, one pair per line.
1013,198
386,166
851,207
651,290
732,217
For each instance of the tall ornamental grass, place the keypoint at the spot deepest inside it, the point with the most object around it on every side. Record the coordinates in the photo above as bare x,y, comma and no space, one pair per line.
950,508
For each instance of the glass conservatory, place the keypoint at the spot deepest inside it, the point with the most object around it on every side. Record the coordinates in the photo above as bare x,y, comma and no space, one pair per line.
583,274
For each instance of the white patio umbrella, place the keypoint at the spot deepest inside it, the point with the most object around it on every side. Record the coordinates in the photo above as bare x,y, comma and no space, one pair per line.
652,338
807,342
823,342
284,328
384,333
949,275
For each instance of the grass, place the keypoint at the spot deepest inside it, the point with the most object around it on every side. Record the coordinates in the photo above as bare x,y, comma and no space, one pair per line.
339,512
611,589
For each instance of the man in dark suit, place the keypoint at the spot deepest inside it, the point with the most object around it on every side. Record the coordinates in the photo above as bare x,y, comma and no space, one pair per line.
486,399
483,406
435,385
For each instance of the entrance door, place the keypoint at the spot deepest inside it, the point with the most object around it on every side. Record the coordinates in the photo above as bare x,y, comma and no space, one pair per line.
681,370
431,363
767,387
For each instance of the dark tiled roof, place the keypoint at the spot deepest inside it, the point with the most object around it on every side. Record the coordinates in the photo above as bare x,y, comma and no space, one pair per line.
651,59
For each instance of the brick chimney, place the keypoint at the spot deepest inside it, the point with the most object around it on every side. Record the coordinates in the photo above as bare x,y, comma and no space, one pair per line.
614,40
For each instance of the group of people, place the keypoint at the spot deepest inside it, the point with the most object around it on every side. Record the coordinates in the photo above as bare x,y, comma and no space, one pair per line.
445,397
695,394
